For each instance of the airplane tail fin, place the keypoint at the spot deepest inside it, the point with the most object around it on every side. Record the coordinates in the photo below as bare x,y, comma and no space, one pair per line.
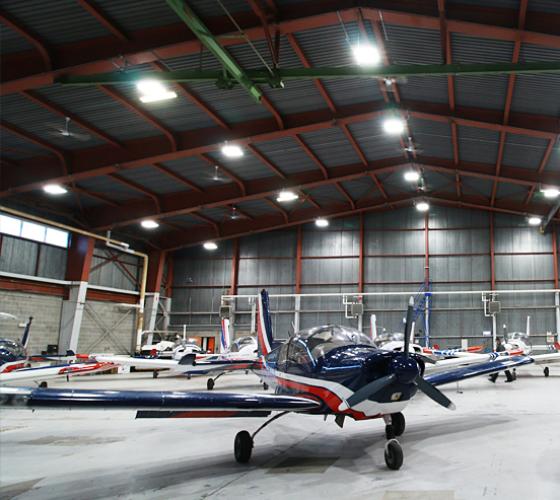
225,339
26,332
264,324
373,321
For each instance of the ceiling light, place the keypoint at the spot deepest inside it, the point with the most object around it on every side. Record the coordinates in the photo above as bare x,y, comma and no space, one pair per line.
153,91
286,196
149,224
550,192
393,126
534,221
210,245
232,151
411,176
321,222
366,54
422,206
54,189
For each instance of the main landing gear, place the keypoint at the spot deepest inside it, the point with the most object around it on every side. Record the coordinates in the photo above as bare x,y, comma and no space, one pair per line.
546,371
211,381
244,442
394,427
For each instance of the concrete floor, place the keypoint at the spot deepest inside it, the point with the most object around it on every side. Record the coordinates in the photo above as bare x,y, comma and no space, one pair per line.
502,442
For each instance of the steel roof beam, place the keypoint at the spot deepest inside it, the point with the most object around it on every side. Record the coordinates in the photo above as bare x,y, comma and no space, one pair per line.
176,203
137,187
175,176
102,18
206,37
265,223
92,162
169,41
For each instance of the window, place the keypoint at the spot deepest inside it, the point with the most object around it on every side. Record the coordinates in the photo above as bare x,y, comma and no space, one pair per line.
14,226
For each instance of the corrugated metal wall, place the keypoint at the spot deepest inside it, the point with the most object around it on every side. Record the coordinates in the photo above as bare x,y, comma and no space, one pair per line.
458,242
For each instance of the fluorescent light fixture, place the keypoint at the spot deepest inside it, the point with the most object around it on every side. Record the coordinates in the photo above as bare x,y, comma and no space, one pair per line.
154,91
393,126
411,176
550,192
422,206
54,189
286,196
321,222
210,245
149,224
232,151
534,220
366,54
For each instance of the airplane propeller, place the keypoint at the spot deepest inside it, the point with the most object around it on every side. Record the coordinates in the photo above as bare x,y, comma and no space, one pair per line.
402,370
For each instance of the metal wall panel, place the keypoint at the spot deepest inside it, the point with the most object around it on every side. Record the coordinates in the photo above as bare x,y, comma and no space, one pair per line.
330,243
112,274
18,256
52,262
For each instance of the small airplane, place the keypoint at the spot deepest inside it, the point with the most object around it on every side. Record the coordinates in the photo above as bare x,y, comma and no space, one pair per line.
326,370
238,355
15,364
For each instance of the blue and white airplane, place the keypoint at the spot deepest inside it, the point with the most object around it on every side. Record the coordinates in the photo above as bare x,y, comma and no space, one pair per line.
326,370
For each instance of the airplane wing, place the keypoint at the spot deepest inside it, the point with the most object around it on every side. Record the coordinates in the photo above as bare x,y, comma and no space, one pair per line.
546,359
149,363
175,404
478,369
48,372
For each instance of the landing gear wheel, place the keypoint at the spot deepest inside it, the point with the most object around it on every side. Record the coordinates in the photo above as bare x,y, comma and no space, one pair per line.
188,376
155,374
210,384
389,432
43,385
398,422
546,371
265,386
243,447
393,455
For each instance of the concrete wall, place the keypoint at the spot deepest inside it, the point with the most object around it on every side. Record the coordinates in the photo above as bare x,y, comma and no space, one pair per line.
394,248
45,310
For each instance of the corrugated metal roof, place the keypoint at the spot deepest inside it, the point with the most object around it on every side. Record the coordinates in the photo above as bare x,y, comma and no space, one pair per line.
100,110
374,142
185,220
206,8
511,192
36,120
131,15
331,146
552,6
478,145
247,167
432,138
153,180
256,207
110,188
524,151
327,195
297,96
424,88
537,93
470,185
55,22
480,90
197,171
504,4
361,188
553,164
10,41
406,45
16,148
347,91
287,155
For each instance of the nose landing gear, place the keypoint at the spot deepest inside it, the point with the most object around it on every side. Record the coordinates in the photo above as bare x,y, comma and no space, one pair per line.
395,425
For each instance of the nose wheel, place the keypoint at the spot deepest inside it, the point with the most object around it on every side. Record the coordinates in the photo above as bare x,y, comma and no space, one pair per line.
393,454
243,447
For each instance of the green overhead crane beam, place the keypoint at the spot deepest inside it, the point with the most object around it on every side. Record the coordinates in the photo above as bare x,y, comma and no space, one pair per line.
200,30
248,78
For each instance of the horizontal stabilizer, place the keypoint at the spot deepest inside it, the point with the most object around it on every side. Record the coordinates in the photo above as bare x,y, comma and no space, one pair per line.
201,414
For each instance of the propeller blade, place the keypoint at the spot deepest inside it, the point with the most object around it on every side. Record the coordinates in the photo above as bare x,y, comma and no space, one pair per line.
408,327
367,391
434,394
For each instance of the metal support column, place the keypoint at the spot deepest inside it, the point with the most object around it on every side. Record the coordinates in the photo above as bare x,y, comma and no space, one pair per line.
156,261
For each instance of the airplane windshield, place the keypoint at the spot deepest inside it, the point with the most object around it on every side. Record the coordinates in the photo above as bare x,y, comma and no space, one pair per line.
240,343
322,339
10,350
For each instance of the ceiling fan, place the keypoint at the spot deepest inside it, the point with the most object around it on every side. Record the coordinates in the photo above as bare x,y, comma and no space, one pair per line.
64,131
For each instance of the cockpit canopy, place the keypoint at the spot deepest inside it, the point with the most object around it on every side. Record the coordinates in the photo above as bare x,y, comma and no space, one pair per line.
322,339
11,351
242,342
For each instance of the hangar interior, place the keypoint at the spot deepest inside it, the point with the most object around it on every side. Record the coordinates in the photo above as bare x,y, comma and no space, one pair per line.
163,161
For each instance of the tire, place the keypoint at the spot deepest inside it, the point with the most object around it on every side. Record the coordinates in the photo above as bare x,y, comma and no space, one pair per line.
243,447
155,374
546,371
265,386
43,385
393,455
210,384
399,423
